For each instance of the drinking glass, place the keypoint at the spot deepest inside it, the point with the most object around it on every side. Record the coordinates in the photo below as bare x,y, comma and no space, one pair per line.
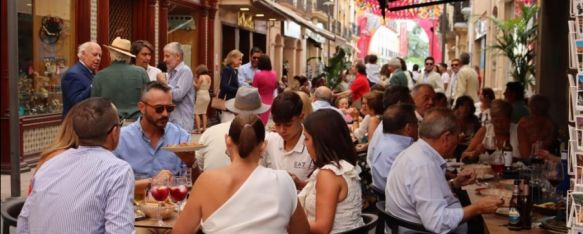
497,164
179,191
553,172
490,144
160,190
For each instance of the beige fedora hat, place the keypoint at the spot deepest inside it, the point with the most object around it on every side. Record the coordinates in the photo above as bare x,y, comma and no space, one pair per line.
247,101
122,46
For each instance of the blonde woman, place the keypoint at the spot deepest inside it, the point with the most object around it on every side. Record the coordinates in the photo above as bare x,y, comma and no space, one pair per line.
203,98
229,82
65,139
306,102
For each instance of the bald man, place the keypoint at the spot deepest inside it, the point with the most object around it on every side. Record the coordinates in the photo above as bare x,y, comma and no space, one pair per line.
323,99
76,81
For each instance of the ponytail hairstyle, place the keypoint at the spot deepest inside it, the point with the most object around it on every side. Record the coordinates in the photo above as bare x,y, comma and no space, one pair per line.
247,132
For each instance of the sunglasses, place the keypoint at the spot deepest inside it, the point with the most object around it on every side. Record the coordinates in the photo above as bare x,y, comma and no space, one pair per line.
428,64
160,108
454,65
119,124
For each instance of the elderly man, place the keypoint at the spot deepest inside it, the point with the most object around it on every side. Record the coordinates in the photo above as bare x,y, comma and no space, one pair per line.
121,82
322,99
85,189
398,77
466,79
423,98
417,190
399,131
76,81
247,70
143,51
180,81
430,76
247,100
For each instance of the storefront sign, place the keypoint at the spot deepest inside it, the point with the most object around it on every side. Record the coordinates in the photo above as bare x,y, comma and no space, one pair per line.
315,36
245,20
480,28
291,29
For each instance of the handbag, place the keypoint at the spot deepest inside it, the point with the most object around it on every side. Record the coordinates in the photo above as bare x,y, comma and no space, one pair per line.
219,103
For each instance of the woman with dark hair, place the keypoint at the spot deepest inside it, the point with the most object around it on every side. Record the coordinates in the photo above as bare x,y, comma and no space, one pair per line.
486,98
202,84
332,197
385,75
469,124
359,86
220,199
265,80
408,74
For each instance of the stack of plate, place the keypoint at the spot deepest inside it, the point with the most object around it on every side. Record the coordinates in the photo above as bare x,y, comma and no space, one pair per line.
553,225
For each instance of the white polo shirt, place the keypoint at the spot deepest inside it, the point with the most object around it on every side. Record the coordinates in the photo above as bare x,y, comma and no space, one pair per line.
297,161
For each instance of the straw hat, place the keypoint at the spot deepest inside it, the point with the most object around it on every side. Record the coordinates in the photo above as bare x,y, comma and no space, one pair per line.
247,101
122,46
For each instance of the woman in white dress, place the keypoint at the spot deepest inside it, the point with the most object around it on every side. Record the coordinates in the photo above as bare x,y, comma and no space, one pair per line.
243,197
332,196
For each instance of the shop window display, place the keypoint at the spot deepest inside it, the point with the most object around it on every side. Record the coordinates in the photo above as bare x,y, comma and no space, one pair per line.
46,49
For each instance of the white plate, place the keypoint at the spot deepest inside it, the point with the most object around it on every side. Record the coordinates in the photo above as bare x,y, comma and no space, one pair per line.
183,148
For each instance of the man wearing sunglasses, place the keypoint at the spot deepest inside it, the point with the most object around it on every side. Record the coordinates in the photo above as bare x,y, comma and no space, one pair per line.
247,70
430,76
455,68
141,142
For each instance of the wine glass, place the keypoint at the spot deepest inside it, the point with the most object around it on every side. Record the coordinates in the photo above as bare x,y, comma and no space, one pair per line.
490,144
497,164
554,173
160,190
179,190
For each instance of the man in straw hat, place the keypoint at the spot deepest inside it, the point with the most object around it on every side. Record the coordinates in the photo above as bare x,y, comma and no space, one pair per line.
121,82
247,100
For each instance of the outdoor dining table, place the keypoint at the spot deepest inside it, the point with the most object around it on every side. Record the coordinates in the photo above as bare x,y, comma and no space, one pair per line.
153,223
494,223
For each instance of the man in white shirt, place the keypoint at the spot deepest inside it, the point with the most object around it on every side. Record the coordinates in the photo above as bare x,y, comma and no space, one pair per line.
445,77
373,70
247,100
430,76
285,148
247,70
417,190
451,88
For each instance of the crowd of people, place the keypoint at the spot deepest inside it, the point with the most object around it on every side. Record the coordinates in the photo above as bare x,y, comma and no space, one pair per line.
288,151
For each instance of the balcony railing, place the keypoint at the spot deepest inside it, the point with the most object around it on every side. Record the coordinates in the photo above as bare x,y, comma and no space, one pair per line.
458,16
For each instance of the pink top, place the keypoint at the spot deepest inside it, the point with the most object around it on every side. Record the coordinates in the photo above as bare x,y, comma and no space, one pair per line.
266,83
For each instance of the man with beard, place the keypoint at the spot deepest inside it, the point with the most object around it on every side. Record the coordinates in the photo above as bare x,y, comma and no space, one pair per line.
140,142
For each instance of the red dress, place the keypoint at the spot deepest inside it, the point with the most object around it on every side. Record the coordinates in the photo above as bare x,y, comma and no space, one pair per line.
266,83
359,87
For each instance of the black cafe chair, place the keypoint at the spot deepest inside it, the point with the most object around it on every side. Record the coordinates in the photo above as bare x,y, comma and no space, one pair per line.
10,211
395,222
370,222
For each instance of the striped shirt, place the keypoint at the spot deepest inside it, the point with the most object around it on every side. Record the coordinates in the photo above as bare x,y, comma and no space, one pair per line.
84,190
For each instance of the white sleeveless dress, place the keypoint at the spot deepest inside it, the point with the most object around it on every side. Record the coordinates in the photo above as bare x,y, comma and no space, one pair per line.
264,203
348,211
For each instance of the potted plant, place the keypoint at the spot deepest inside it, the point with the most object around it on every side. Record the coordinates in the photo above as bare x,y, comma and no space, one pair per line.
515,41
332,72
